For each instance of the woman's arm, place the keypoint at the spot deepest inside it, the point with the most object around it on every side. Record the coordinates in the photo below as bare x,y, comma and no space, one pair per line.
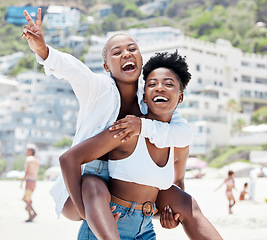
180,158
86,151
177,133
84,82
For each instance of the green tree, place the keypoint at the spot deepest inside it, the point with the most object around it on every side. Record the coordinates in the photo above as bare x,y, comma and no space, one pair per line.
239,124
28,62
110,23
264,146
19,162
131,10
65,142
259,116
232,107
3,164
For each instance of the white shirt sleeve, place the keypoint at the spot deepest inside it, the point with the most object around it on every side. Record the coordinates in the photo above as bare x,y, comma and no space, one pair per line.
177,133
84,82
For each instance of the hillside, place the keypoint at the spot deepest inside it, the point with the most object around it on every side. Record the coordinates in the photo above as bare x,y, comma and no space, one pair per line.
240,21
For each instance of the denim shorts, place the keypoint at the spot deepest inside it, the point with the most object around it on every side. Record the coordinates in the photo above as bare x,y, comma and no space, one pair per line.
132,224
97,167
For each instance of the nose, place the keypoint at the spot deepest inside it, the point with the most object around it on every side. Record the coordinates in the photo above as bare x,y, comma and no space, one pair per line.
160,87
126,54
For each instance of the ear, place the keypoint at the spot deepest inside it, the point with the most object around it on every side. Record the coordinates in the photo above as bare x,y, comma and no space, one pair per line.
106,67
181,97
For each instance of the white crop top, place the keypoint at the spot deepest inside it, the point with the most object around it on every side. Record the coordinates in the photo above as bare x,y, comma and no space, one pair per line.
140,168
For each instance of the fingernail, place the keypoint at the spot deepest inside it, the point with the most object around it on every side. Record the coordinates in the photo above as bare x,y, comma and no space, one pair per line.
25,30
122,140
115,136
110,128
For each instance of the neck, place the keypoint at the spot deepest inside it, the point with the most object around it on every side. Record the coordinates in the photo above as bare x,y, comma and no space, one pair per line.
163,118
129,102
127,92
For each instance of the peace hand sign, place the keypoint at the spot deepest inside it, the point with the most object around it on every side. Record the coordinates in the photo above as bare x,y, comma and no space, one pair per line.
34,34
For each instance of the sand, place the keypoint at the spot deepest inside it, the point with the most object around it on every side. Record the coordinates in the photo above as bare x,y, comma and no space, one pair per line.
249,221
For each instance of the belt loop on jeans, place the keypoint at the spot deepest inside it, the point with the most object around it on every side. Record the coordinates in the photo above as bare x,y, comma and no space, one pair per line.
147,208
100,167
132,208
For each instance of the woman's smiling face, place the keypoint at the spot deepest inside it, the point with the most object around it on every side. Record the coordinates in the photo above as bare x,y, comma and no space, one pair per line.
123,58
162,94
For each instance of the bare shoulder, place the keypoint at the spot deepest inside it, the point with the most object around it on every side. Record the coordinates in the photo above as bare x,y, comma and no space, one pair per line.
32,159
181,152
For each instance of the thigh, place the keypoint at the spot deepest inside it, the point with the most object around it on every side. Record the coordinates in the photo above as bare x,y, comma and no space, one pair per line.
70,211
95,180
30,185
94,186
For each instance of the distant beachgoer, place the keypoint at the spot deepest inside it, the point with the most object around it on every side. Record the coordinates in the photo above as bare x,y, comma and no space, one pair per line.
230,184
31,169
243,192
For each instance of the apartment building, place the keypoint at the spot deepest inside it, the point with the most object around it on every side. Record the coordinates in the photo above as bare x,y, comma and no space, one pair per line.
43,110
220,73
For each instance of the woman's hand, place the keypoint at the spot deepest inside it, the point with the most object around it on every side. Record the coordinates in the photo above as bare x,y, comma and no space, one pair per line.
168,220
130,126
115,215
34,35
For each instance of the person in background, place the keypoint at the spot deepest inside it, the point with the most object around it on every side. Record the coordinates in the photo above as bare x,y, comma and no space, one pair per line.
31,169
230,184
243,192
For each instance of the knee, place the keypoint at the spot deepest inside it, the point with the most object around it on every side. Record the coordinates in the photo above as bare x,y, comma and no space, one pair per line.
94,189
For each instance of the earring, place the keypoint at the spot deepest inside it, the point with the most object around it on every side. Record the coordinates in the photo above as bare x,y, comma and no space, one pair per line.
144,100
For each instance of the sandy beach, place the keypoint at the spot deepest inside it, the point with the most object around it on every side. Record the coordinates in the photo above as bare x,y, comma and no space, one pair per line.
249,221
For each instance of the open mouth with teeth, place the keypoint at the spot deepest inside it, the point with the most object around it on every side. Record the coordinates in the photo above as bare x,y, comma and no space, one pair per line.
129,66
159,99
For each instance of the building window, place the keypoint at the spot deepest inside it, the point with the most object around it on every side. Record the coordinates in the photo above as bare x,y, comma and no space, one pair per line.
198,67
261,80
246,79
245,64
260,65
246,93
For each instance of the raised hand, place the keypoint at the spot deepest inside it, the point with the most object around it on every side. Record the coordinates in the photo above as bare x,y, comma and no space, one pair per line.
34,34
130,126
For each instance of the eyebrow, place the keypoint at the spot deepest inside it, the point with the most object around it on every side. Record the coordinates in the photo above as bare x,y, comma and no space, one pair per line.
165,79
118,47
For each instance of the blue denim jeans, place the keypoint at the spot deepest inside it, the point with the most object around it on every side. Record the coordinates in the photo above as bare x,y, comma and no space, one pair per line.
97,167
132,224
